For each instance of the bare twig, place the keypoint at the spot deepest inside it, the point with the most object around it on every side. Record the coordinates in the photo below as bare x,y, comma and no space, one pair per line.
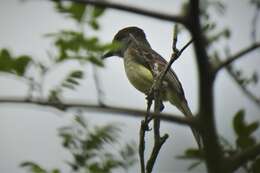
244,156
155,90
174,57
255,24
132,9
100,93
243,88
142,145
158,140
237,56
143,128
107,109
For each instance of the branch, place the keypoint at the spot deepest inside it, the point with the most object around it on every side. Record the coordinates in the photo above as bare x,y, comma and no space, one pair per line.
174,57
248,93
241,158
99,108
132,9
99,90
237,56
206,118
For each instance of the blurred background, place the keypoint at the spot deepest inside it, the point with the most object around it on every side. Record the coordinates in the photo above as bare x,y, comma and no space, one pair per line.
29,132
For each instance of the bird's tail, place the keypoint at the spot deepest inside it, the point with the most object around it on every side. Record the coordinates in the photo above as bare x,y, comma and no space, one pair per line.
186,111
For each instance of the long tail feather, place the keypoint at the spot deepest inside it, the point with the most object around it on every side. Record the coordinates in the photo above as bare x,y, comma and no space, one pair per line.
186,111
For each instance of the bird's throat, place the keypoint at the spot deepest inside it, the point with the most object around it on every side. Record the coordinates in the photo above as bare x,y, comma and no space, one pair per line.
138,75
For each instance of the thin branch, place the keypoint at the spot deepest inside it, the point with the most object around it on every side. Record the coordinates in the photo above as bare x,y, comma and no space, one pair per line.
142,145
237,56
255,24
98,86
244,156
132,9
98,108
143,128
155,91
174,57
158,140
247,92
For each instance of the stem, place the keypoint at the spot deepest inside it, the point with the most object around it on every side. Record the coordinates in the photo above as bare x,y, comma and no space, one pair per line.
132,9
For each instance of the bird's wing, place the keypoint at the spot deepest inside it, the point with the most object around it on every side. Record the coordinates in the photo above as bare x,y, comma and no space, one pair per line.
153,60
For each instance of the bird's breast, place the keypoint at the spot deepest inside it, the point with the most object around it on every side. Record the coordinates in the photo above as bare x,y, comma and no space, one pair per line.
138,75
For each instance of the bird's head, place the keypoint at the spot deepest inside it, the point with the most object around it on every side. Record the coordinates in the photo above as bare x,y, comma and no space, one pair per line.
124,38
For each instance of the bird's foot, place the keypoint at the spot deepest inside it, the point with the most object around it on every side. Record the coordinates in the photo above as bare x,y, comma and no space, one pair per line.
161,107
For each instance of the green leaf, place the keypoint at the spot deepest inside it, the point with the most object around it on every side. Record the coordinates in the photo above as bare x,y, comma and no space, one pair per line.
77,74
94,24
241,127
12,64
77,11
71,80
96,61
20,64
95,168
100,136
55,171
238,122
34,168
97,11
128,153
79,159
81,121
245,142
252,128
5,61
74,10
54,96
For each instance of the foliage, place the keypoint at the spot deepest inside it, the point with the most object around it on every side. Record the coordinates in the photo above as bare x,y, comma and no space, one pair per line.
78,12
11,64
71,44
244,139
244,131
88,146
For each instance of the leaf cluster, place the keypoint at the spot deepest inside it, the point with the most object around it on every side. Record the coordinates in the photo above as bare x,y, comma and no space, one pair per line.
81,13
89,149
13,64
244,139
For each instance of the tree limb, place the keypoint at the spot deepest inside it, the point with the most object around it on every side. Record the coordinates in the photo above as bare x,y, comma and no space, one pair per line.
206,118
132,9
241,158
99,108
237,56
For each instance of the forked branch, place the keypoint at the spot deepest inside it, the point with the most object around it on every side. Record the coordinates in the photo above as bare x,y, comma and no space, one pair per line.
237,56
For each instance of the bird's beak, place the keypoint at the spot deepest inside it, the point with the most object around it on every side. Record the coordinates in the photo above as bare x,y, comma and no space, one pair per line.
108,54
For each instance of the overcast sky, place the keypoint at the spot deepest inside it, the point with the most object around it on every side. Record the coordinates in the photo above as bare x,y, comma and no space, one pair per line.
29,132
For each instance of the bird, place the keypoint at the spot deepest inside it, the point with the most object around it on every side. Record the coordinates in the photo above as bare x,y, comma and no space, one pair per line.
140,62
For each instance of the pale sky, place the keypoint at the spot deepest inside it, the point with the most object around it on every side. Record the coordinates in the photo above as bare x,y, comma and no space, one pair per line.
29,132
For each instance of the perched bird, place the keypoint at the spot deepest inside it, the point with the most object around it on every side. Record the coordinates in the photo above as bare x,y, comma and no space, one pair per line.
140,61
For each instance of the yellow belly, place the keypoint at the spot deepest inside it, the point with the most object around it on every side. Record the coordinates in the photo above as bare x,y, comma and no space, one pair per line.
138,75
